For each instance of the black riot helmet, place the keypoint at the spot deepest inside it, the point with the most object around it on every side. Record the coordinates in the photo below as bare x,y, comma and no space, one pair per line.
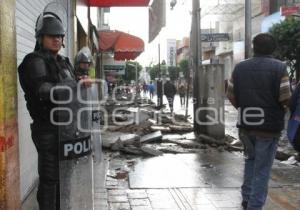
49,23
52,21
83,56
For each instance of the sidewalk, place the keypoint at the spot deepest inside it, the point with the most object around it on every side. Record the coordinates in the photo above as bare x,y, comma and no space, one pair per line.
173,182
205,178
190,181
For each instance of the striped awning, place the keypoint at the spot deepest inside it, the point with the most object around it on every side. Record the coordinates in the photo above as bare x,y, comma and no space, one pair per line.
125,46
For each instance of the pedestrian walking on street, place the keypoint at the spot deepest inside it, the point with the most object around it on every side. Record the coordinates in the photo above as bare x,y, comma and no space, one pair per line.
259,88
159,92
181,91
293,129
39,73
145,88
170,91
151,90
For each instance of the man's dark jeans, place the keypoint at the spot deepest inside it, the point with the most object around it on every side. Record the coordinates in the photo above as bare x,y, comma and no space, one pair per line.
259,156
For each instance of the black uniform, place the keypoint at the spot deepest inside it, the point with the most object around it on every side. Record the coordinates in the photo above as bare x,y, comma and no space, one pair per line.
39,72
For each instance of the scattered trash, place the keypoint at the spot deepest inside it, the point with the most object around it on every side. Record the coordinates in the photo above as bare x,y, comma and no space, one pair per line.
150,151
122,175
156,136
181,128
164,129
190,136
291,161
131,151
208,165
237,143
281,155
172,137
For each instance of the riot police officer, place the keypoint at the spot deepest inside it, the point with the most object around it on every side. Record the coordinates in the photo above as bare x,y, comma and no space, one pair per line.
39,72
83,62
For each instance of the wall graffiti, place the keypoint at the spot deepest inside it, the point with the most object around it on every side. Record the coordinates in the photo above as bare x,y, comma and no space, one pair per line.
6,143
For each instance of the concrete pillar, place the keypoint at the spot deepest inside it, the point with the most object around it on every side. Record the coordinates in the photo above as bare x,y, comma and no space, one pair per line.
248,28
9,150
210,114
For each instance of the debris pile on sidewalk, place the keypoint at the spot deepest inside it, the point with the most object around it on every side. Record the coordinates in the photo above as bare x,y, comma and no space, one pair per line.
135,133
145,130
164,135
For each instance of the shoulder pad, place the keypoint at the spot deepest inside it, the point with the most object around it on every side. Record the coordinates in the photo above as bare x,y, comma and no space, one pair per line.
34,65
27,59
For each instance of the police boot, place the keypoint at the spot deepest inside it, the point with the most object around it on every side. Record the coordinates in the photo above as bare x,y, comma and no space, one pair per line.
47,197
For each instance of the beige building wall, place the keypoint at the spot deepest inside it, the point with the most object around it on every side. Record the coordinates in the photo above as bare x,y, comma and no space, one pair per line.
9,142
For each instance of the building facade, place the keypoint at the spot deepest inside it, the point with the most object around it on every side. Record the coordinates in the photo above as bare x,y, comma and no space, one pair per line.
183,49
18,156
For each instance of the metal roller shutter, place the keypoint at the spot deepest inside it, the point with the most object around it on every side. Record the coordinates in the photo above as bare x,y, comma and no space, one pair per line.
27,12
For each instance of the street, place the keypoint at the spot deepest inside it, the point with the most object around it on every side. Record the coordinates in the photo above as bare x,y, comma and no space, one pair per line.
78,128
187,174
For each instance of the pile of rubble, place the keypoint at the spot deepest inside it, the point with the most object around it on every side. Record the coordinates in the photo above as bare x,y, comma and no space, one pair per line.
158,142
144,130
147,131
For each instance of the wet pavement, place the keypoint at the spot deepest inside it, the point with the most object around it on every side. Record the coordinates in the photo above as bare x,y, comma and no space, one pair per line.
207,169
203,177
208,180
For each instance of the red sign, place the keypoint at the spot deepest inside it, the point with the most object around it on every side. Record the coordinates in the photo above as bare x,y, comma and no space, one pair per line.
289,10
118,3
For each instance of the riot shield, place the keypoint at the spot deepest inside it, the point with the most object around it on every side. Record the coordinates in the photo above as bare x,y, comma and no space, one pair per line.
75,164
96,137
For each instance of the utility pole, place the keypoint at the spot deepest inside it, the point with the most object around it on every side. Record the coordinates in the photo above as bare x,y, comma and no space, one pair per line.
136,83
136,74
159,84
188,81
197,56
248,28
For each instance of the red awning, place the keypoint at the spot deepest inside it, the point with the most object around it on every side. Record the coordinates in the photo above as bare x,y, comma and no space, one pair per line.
124,46
118,3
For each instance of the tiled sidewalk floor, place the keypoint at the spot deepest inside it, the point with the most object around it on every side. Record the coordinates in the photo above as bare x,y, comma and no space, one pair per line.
115,194
190,199
175,198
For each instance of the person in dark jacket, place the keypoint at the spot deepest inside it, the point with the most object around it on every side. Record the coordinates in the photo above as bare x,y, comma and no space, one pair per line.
170,91
159,92
39,73
293,104
182,91
259,88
